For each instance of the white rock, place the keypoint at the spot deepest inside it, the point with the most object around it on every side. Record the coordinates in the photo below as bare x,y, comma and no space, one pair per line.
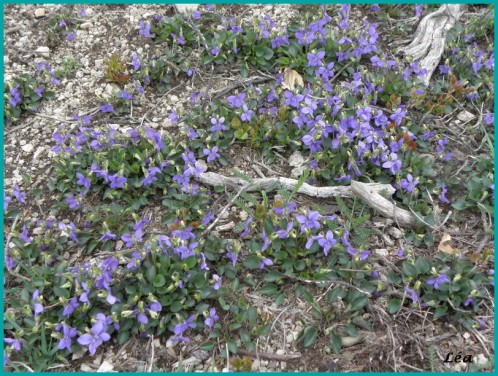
99,63
297,171
381,252
173,98
296,159
28,148
481,360
86,25
105,367
22,142
86,368
39,12
466,335
465,116
43,51
280,352
395,232
243,215
186,8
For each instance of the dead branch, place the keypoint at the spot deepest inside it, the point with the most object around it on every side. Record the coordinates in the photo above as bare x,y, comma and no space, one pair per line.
428,44
269,356
367,192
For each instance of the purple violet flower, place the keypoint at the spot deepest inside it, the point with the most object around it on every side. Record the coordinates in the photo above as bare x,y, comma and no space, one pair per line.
233,257
212,318
211,154
18,194
284,234
265,262
408,184
309,222
145,29
442,195
68,334
71,36
37,306
413,294
106,108
83,181
327,242
117,181
14,343
70,307
438,280
218,282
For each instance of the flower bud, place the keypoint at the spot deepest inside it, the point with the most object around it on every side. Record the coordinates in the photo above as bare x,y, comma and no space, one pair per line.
126,314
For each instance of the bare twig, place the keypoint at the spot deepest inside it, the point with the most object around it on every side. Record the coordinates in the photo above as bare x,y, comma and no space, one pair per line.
228,89
269,356
157,103
227,206
151,354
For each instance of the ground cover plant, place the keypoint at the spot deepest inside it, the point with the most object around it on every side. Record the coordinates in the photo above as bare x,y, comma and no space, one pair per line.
150,232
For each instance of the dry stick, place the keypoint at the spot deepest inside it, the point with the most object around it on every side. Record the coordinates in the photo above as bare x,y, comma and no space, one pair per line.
428,43
17,127
269,356
157,103
331,281
151,355
369,193
228,89
227,206
273,325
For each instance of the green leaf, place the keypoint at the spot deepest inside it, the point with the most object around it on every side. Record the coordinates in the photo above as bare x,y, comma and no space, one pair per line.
244,69
268,289
351,330
267,53
336,293
234,326
252,262
362,323
309,336
232,346
335,343
176,307
123,336
273,276
207,346
150,273
422,265
440,311
394,305
409,269
159,280
359,302
252,315
58,291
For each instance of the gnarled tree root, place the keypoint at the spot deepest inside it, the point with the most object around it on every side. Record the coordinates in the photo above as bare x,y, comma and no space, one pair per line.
369,193
428,44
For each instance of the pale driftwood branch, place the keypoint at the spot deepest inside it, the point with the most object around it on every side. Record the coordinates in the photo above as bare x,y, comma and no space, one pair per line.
428,44
387,209
270,184
270,356
367,192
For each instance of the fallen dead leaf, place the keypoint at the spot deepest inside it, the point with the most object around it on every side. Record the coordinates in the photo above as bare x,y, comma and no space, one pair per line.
291,77
445,247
